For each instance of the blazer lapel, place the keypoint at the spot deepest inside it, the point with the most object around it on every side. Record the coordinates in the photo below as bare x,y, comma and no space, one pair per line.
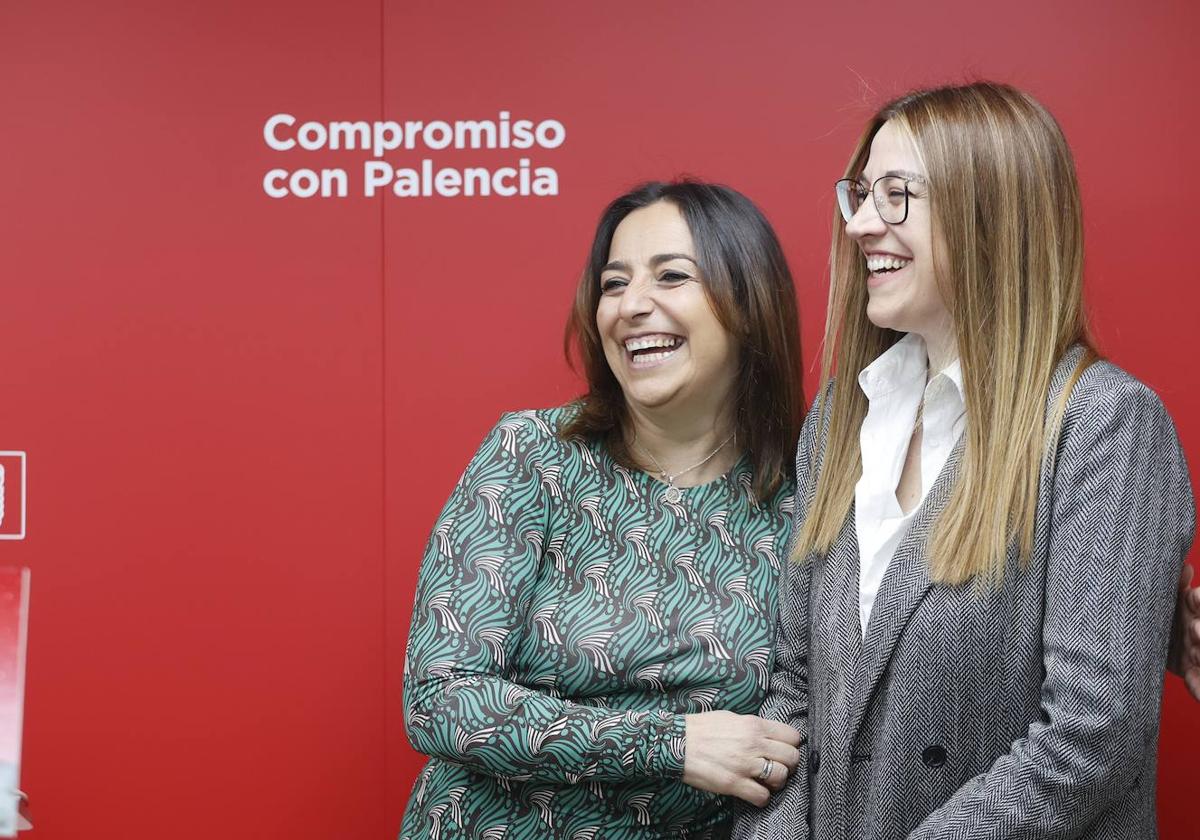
907,578
904,585
837,610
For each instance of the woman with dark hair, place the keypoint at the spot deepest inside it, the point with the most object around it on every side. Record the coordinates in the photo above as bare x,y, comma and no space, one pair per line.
593,622
990,519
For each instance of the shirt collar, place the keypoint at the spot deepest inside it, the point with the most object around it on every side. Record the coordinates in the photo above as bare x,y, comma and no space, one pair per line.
953,372
906,364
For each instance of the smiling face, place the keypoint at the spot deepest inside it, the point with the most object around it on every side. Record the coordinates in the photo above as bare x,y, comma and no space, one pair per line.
902,286
661,337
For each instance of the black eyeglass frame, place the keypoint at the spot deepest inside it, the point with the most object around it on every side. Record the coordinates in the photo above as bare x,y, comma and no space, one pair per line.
852,183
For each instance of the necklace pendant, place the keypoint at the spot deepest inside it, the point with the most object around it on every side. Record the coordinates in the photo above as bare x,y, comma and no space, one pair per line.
673,495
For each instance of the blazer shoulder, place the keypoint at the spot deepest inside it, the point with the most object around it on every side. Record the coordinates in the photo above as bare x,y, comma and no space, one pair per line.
1105,390
1108,403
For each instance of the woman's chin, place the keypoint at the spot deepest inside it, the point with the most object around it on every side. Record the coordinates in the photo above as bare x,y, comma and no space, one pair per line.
882,315
648,397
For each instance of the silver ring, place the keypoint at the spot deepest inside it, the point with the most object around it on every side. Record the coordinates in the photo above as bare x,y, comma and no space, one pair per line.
765,773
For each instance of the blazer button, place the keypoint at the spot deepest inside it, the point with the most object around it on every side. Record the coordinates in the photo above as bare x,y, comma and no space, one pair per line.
934,756
814,761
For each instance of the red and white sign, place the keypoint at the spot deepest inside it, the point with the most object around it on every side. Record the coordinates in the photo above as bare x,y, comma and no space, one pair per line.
12,495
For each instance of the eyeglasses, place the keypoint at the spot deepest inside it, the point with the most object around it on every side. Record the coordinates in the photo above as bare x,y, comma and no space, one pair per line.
890,192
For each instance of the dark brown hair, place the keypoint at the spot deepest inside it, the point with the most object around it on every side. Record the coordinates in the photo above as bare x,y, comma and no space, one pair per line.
749,286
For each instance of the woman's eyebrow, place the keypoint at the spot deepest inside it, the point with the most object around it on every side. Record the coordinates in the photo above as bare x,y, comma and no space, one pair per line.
662,258
891,173
657,259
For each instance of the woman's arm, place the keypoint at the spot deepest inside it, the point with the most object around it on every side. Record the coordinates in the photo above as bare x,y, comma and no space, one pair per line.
477,577
787,695
1184,658
1122,521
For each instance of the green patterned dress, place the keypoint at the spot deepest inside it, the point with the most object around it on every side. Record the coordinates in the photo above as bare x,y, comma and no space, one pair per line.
566,618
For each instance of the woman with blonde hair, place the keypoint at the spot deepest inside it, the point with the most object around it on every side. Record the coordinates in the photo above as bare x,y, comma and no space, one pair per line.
990,519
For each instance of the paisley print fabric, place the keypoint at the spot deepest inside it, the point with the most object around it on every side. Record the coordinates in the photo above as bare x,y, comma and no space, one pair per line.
566,618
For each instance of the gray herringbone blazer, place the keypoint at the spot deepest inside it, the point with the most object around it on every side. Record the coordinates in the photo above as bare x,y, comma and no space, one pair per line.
1027,711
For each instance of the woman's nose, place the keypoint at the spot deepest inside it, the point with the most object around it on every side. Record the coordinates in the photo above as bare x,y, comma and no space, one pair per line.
637,300
866,221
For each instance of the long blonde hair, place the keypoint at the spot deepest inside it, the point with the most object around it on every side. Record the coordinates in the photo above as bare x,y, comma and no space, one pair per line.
1009,247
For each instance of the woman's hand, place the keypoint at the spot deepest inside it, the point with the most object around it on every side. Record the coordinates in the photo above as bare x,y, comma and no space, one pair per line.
728,753
1185,650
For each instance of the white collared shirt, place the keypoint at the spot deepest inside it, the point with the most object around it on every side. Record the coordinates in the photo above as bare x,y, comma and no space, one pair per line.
895,385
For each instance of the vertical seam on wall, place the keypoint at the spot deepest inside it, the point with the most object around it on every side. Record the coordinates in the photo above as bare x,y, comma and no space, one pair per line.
386,741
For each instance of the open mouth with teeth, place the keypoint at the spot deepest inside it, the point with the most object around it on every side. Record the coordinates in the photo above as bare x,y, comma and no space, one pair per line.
883,265
650,350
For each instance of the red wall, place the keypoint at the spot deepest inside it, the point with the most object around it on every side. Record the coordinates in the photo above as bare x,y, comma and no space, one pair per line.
243,413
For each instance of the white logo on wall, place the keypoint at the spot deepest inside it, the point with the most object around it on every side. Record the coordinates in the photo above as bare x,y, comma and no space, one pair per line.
12,495
520,177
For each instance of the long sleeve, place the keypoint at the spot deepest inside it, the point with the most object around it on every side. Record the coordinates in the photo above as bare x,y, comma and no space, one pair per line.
787,695
1122,520
479,573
